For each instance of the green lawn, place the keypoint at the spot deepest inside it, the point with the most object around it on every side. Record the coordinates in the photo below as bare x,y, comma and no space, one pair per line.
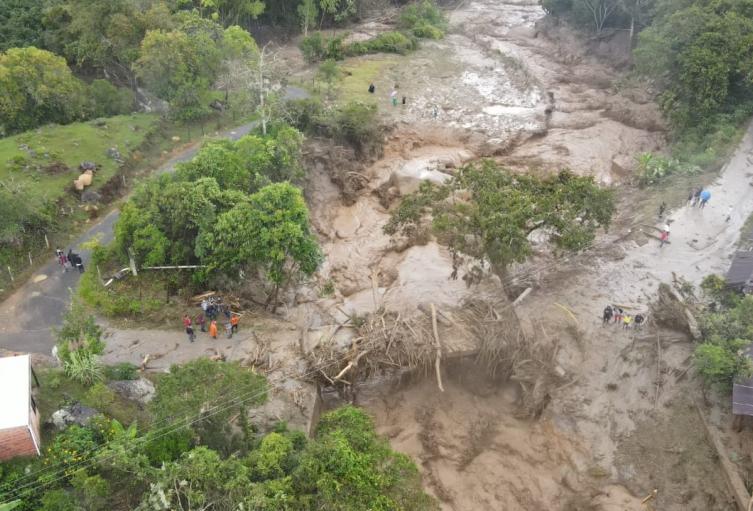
359,72
25,158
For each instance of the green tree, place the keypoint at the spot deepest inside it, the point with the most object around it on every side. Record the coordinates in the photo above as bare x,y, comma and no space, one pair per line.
240,53
270,232
38,88
108,100
196,390
20,23
308,11
329,72
339,10
180,66
502,209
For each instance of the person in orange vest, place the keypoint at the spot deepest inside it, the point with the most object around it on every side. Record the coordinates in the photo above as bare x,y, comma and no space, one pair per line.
213,329
234,320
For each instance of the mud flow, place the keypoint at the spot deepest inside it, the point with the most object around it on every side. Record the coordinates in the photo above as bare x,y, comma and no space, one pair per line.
508,84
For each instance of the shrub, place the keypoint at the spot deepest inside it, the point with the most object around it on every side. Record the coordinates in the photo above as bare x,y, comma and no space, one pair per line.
79,332
313,47
122,371
423,19
303,114
357,124
720,362
386,42
57,500
84,367
653,168
69,449
168,447
99,396
108,100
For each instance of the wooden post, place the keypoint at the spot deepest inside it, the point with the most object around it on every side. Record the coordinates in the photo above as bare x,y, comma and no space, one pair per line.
11,275
31,263
46,241
437,347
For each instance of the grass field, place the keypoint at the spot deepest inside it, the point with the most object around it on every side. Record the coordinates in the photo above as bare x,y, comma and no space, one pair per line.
359,72
26,159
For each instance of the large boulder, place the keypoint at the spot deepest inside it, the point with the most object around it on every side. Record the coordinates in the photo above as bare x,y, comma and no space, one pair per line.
74,414
141,390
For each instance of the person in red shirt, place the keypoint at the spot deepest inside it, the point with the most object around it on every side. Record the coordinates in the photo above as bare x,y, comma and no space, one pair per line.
186,321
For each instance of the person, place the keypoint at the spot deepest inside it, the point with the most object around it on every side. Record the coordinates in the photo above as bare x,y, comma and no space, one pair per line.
404,100
705,195
691,194
204,305
617,314
189,332
607,317
662,209
639,319
234,320
211,312
62,259
229,330
626,321
696,196
664,236
729,214
202,322
393,97
213,329
186,321
372,89
226,311
435,111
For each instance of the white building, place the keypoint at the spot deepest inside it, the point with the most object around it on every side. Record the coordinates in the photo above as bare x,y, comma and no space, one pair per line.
19,417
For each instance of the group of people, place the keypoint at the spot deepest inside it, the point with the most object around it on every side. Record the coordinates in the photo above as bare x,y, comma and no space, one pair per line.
615,314
698,196
211,309
70,260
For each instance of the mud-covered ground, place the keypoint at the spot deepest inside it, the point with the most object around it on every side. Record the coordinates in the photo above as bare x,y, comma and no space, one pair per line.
506,83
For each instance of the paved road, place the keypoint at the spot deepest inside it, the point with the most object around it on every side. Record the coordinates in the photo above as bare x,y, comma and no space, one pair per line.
29,315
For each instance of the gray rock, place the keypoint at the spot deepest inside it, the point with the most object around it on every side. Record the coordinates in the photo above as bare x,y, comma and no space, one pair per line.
90,196
113,153
75,414
141,390
88,165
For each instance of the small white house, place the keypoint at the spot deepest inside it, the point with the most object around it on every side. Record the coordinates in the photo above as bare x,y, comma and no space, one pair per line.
19,417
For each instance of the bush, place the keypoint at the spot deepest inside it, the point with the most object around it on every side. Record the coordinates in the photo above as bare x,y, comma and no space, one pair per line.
108,100
653,168
423,19
313,47
303,114
168,447
84,367
69,449
122,371
357,124
99,396
386,42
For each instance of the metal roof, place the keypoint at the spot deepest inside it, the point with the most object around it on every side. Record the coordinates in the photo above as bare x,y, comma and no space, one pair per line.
741,269
15,386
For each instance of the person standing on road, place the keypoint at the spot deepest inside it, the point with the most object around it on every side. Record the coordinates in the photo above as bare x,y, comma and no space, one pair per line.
372,88
189,333
213,329
696,196
705,196
729,214
234,320
617,314
664,236
393,97
691,195
186,321
607,316
662,209
202,322
626,321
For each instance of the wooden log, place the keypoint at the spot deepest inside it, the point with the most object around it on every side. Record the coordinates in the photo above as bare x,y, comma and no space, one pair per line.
437,347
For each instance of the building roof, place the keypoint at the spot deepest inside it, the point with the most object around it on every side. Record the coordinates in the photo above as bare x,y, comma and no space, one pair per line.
741,269
15,373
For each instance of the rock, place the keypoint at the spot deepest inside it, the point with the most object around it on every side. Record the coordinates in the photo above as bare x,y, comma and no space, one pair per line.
113,153
141,390
75,414
88,165
100,123
176,138
90,196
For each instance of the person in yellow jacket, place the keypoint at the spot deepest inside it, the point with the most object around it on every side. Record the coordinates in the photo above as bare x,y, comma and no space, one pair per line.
627,320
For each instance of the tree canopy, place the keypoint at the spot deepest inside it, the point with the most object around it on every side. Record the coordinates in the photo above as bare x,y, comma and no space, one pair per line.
37,87
488,213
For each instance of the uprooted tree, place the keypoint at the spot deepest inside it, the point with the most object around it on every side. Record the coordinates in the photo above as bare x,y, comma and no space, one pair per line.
487,213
